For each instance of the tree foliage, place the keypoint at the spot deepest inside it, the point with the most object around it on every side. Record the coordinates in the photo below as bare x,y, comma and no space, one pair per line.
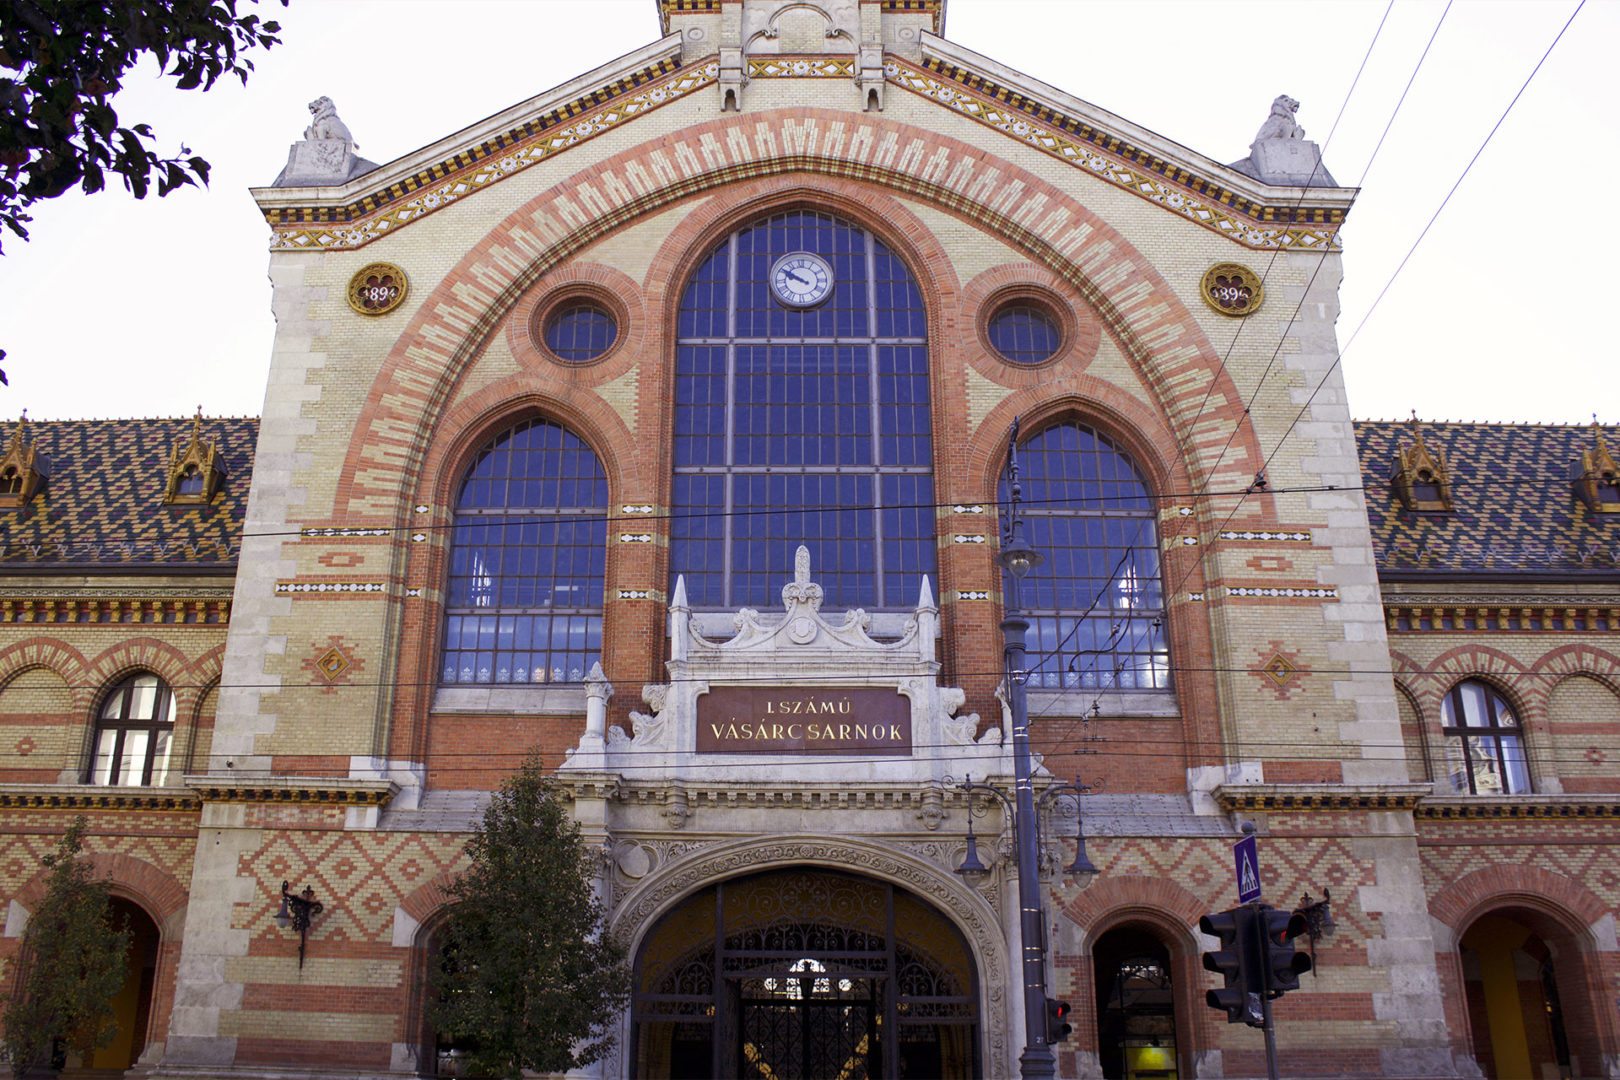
73,965
531,980
61,63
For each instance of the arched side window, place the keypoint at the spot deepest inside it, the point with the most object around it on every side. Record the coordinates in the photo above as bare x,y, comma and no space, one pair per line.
523,603
1096,604
802,417
1484,743
134,732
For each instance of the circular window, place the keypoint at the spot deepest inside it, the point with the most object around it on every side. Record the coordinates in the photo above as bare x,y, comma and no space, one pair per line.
1024,333
580,331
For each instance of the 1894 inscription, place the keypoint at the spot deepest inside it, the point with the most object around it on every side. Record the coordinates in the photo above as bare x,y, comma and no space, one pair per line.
823,720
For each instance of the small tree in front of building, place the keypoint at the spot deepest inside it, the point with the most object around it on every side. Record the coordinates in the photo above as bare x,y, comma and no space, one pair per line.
529,979
73,965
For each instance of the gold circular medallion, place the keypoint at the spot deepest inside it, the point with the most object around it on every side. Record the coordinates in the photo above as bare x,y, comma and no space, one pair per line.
377,289
1232,289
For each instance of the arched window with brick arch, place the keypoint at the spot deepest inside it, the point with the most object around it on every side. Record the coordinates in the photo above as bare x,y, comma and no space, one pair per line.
134,733
1096,603
802,417
1484,741
528,557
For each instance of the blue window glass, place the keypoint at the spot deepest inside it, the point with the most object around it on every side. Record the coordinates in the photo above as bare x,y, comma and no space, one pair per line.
528,556
580,331
1096,605
802,425
1024,333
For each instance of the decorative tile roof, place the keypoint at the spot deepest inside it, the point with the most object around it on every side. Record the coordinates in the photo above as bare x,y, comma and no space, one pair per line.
102,501
1514,505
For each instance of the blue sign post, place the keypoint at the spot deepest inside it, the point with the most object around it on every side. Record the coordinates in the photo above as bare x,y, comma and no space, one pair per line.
1246,861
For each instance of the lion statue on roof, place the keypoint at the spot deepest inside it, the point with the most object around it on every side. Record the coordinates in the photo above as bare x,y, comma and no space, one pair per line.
326,124
1281,124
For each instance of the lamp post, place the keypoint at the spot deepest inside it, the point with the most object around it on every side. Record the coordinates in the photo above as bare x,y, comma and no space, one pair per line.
1018,559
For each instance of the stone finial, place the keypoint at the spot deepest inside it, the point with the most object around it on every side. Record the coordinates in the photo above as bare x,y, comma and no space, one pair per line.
326,156
1280,154
801,590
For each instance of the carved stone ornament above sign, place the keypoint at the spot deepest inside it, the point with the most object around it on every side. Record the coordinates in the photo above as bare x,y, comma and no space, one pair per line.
815,696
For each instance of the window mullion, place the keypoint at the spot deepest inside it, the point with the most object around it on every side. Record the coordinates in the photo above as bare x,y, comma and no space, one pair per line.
875,406
728,499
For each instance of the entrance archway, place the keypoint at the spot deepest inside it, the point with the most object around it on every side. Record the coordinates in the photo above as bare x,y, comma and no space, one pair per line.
800,974
1525,988
132,1005
1136,1005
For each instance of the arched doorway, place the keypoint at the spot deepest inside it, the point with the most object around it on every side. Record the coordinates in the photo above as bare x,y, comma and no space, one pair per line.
801,974
1136,1005
132,1005
1519,978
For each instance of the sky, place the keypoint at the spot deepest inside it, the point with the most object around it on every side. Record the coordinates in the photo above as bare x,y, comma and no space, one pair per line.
122,308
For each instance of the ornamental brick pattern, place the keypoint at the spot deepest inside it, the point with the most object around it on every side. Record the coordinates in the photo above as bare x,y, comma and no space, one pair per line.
300,626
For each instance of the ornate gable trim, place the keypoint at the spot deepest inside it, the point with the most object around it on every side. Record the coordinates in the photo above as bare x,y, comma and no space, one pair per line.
195,471
21,469
1308,222
1420,478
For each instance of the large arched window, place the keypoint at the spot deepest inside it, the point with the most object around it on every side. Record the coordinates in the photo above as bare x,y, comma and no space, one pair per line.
1096,605
1484,745
801,417
524,598
134,731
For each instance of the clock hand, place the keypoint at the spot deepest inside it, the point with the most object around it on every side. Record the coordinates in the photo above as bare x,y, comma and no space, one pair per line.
796,277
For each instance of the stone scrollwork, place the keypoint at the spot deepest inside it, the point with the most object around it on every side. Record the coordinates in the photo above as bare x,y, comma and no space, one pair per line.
651,728
961,730
921,874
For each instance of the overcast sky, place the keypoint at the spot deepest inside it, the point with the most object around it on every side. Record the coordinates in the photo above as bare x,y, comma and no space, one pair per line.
124,308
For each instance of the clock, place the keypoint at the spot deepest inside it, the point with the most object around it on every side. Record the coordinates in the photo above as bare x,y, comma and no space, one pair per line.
802,279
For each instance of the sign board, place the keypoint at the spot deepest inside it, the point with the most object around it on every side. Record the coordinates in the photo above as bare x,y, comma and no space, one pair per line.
1246,862
794,719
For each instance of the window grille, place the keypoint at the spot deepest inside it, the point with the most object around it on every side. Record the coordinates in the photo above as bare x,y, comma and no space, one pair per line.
1484,743
527,561
134,732
1096,604
802,425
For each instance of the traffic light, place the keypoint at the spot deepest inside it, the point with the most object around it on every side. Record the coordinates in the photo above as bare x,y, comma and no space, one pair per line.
1057,1021
1237,960
1284,965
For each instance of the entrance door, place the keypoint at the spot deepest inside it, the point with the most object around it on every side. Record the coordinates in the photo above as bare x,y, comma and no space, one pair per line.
806,1024
1136,1013
805,975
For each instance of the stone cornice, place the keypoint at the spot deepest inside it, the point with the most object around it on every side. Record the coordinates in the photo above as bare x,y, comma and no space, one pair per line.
1519,807
1455,615
1294,798
1147,149
86,797
170,607
1025,110
470,147
297,790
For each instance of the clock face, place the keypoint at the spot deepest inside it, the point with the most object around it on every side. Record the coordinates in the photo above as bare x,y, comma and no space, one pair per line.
801,279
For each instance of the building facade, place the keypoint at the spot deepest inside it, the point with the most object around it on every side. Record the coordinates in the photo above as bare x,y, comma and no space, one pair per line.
659,425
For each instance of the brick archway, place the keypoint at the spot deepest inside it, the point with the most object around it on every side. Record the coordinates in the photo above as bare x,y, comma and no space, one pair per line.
1569,918
1046,222
1169,913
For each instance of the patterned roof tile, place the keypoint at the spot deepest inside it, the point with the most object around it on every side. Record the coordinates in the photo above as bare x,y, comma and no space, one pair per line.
102,500
1514,509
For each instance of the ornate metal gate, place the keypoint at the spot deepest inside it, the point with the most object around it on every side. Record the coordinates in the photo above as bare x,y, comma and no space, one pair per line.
803,975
